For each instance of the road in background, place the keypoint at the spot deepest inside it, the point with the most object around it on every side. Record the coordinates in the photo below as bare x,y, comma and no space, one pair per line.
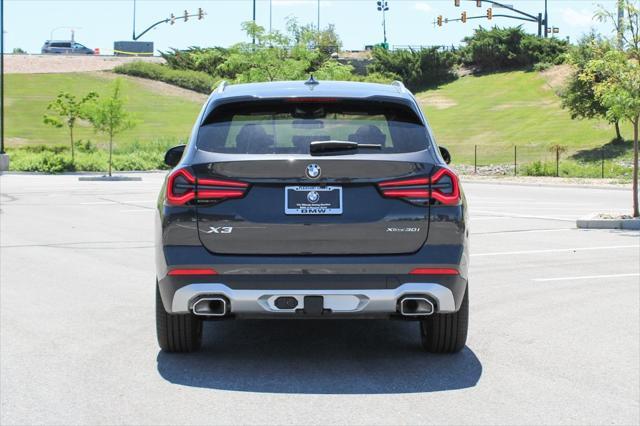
554,334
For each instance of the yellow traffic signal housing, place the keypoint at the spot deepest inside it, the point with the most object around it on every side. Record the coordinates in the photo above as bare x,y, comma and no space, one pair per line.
463,18
478,3
440,20
490,13
456,3
186,16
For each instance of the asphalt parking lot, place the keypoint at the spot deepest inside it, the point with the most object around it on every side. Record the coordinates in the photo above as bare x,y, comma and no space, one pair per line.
554,333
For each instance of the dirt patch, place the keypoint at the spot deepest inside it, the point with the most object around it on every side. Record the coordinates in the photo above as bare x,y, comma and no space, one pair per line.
46,64
556,77
436,101
157,87
523,104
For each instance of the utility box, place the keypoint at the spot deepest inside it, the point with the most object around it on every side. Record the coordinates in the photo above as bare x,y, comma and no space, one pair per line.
133,48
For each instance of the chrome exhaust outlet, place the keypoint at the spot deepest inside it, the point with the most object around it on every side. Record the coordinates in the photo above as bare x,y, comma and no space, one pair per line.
416,306
210,307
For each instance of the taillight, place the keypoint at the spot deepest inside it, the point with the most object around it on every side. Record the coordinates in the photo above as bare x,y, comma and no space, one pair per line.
183,187
442,186
216,189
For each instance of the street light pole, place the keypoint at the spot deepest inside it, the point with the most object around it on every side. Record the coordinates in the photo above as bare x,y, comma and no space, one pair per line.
318,15
2,83
254,19
546,20
134,19
383,6
270,16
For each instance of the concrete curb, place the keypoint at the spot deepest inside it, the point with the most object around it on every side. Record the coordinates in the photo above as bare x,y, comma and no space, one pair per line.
594,222
108,178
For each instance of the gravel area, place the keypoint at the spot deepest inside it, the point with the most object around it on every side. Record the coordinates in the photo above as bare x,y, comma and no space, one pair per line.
39,64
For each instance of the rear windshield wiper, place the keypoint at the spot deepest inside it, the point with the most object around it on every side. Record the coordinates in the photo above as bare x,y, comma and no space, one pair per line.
344,147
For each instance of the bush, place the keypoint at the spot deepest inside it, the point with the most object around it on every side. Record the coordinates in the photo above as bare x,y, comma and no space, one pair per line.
206,60
417,69
508,48
192,80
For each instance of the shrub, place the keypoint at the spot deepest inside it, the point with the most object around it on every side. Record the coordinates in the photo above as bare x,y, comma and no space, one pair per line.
508,48
192,80
418,69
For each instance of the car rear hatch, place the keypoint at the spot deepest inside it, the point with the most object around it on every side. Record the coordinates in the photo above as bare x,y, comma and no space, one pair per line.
261,191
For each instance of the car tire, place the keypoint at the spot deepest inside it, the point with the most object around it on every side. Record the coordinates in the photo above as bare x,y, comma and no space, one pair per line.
177,332
446,333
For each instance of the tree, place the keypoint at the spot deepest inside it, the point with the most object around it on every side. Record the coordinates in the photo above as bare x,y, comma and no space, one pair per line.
109,116
578,95
68,111
619,92
628,29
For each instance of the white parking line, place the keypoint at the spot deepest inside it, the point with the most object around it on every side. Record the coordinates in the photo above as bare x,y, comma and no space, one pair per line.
585,277
98,203
509,253
564,218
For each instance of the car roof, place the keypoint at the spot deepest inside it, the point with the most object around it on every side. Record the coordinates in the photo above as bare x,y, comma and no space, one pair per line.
321,88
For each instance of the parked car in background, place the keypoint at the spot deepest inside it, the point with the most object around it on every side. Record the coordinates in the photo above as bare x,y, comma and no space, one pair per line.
65,47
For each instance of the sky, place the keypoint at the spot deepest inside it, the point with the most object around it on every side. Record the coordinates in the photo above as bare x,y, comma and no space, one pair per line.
98,23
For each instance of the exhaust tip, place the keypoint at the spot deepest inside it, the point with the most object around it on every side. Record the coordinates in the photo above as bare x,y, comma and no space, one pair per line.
210,307
416,306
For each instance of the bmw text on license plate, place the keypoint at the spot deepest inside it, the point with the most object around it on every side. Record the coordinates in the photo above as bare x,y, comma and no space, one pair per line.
313,200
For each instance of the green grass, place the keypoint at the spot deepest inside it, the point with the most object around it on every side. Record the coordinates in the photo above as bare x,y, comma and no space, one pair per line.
494,112
163,120
497,111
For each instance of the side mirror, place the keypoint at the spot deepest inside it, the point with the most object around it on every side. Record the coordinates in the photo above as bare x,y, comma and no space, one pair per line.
446,155
173,155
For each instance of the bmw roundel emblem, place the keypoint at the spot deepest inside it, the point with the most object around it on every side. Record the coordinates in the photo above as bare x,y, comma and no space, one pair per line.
313,171
313,197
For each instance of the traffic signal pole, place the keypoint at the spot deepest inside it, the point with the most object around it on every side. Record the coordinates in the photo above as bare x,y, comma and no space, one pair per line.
541,20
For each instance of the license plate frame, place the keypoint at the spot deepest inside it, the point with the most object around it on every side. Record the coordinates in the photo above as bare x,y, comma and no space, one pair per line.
295,203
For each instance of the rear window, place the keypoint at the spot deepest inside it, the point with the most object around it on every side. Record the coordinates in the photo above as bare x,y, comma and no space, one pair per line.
288,127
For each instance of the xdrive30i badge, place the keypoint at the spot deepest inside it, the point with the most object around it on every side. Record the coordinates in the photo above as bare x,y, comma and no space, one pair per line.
313,171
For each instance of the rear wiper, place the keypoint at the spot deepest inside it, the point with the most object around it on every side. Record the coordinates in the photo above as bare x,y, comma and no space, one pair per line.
327,147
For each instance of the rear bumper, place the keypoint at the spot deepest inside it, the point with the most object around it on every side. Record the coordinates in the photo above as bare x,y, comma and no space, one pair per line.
347,302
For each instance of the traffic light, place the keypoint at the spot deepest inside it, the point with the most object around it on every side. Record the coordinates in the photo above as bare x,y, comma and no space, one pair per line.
478,3
489,14
463,18
200,13
186,16
172,19
439,20
456,3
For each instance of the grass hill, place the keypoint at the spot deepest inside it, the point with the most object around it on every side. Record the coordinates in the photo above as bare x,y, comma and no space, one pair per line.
497,111
494,112
165,115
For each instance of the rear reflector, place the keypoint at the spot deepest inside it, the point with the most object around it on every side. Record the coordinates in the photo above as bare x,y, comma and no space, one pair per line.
434,271
202,271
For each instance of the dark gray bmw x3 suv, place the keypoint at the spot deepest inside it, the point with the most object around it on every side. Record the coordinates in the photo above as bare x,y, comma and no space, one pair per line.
311,200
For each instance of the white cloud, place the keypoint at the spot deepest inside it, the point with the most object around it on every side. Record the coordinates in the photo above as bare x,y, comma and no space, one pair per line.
577,18
423,7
